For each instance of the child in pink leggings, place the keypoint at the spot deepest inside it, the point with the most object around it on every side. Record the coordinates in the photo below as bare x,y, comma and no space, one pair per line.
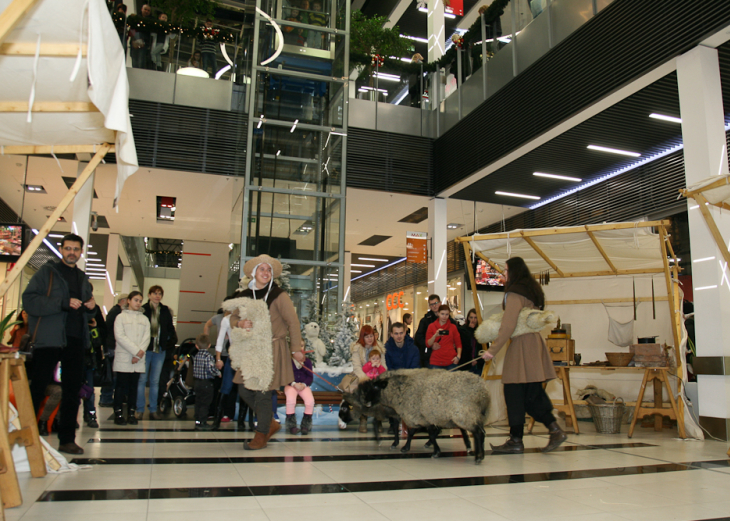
300,386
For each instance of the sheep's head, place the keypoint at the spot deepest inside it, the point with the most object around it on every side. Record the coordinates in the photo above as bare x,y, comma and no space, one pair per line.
370,391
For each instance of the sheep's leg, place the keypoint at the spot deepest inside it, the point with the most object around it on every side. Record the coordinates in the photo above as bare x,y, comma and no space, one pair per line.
479,436
376,426
467,441
411,432
432,434
394,424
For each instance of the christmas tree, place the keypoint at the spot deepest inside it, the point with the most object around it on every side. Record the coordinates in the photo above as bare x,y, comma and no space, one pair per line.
345,335
283,280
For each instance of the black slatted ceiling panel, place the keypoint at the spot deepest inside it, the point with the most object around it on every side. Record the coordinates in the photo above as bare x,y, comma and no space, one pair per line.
625,125
390,162
625,40
189,138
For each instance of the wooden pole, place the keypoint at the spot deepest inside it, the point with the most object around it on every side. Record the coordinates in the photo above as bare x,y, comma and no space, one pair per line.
53,219
602,252
59,50
12,15
714,230
48,106
542,254
559,231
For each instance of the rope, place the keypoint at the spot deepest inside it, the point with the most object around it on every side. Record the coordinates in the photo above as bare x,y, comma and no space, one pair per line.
322,378
470,361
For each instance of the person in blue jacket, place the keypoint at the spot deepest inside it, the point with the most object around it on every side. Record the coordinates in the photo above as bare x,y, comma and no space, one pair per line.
400,350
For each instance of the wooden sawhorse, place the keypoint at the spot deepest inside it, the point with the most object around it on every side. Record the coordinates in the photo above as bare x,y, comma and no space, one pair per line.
659,376
12,369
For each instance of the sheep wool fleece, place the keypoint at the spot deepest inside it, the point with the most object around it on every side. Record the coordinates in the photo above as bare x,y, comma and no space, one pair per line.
250,351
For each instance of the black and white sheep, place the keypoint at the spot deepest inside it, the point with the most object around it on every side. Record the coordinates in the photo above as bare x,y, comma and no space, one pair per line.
433,399
351,407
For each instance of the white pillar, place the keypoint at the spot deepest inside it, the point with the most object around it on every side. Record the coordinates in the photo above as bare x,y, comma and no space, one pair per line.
705,155
127,276
436,30
112,256
346,275
437,217
82,211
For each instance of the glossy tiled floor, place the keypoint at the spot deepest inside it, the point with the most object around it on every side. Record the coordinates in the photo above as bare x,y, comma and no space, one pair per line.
162,470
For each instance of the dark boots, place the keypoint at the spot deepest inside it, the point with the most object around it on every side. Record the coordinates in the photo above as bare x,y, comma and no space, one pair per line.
43,428
557,437
291,424
511,446
91,420
131,417
119,417
306,426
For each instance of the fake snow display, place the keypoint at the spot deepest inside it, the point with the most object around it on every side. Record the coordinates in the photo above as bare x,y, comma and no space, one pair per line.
347,333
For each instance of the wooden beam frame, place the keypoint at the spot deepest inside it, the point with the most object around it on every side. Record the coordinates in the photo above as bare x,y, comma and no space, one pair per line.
602,251
714,230
48,106
12,15
58,50
30,150
53,219
537,249
475,295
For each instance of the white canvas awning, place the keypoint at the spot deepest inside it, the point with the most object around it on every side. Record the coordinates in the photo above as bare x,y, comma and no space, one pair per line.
715,189
65,61
591,250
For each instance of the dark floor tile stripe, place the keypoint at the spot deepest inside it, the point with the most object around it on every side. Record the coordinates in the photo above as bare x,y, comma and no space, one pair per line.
246,435
375,486
329,458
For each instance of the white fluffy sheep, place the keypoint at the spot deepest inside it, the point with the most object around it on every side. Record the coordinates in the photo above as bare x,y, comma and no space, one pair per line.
311,333
529,321
250,351
433,399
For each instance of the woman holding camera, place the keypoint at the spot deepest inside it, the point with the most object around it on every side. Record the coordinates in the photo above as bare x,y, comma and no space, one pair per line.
442,336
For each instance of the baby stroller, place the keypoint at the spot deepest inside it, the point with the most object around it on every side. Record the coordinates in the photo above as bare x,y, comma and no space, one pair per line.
179,395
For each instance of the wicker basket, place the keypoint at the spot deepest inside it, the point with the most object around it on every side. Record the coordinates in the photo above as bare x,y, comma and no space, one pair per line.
607,417
619,359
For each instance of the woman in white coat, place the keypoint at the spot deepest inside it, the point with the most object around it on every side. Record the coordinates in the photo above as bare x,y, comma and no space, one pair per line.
132,335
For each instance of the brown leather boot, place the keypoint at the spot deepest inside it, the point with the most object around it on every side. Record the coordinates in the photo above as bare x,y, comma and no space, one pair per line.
557,437
258,442
273,429
511,446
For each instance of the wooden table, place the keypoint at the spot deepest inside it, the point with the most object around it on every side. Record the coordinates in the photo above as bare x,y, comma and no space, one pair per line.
658,375
12,369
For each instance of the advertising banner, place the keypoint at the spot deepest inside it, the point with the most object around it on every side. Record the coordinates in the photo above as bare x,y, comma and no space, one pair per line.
417,247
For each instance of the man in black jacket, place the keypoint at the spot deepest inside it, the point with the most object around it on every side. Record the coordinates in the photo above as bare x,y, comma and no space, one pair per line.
110,344
60,296
162,337
434,301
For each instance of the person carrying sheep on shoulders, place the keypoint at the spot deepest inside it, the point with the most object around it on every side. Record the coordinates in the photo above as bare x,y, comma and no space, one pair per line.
300,386
527,363
262,271
442,336
360,354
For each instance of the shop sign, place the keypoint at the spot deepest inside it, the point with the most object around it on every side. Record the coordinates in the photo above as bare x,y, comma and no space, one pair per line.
417,247
454,7
394,300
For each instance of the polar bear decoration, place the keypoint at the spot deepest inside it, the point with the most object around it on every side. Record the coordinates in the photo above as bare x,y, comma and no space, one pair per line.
311,333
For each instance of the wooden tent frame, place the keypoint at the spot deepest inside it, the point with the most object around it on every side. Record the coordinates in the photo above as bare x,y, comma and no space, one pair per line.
671,273
9,18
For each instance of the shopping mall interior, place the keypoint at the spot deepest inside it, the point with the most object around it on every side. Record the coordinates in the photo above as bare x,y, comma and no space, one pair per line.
386,151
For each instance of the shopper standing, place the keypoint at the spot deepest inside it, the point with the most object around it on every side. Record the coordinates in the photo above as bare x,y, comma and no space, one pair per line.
434,301
443,338
107,393
527,363
132,333
162,336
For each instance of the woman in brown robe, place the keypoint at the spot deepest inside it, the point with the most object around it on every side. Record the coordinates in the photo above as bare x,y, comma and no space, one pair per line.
527,363
262,271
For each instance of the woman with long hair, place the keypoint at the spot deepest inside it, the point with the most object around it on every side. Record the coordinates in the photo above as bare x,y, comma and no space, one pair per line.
469,345
527,363
360,351
16,334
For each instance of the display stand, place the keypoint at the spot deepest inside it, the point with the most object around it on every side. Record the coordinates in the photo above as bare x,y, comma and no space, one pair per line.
12,369
605,249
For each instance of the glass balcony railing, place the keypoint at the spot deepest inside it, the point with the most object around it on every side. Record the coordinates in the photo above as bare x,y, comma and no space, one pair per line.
484,64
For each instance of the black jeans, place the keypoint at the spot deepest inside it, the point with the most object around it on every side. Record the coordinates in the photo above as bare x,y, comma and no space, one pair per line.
204,390
126,385
528,398
260,403
45,360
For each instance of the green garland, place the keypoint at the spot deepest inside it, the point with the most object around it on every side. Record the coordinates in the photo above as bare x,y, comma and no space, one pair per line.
136,22
474,34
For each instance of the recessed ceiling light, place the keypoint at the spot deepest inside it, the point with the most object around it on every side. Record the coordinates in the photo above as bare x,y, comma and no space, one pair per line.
671,119
363,265
510,194
387,77
453,226
554,176
371,259
97,278
35,189
614,151
355,271
56,235
414,38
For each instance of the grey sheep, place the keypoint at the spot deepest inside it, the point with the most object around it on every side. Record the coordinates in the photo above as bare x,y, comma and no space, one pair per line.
433,399
351,407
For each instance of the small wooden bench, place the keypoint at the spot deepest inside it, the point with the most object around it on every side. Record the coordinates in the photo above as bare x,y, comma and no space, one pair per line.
320,398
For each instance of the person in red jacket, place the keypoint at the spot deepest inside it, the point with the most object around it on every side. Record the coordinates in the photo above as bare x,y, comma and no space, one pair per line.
443,338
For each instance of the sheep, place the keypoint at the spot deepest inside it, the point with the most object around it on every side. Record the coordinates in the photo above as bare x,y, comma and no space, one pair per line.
351,407
433,399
